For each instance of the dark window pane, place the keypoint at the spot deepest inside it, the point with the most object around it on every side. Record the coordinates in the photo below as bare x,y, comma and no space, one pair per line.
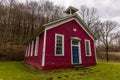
87,48
75,42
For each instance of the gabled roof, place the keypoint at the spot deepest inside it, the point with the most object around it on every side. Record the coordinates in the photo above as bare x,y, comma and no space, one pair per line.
40,30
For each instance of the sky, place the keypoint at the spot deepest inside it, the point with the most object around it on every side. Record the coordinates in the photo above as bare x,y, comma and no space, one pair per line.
107,9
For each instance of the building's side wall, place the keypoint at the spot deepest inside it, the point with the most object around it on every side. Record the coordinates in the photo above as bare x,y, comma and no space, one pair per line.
36,61
52,61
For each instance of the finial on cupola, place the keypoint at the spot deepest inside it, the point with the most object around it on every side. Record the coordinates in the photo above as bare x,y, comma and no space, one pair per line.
70,10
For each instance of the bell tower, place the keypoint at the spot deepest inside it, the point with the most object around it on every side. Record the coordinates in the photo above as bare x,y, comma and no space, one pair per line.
70,10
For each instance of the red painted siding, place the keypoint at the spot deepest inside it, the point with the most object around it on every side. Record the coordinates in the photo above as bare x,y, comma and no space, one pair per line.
36,60
52,61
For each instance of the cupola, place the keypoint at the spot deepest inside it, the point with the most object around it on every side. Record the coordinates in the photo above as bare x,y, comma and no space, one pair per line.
70,10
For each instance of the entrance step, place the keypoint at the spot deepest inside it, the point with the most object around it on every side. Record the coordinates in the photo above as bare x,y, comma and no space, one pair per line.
79,67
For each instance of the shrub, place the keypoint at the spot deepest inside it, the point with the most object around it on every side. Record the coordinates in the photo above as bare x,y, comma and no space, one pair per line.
15,53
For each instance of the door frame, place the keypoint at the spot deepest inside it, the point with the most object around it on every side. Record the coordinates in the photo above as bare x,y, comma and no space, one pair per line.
79,52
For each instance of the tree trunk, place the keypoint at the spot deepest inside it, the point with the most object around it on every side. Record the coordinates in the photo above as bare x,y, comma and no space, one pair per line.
107,56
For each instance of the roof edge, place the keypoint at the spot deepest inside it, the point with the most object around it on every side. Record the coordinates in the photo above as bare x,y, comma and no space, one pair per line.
84,24
41,29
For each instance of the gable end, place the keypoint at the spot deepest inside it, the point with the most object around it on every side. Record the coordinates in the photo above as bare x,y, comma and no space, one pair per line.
77,21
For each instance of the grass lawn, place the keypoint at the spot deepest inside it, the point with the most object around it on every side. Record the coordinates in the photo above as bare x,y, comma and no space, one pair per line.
21,71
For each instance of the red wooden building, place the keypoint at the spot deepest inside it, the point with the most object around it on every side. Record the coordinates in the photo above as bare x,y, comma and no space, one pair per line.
62,43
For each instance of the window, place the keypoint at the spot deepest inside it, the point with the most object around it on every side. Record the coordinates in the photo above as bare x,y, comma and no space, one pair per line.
36,46
32,46
75,42
87,47
59,45
28,54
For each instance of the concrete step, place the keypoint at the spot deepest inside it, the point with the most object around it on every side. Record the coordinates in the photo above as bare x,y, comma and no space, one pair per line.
80,67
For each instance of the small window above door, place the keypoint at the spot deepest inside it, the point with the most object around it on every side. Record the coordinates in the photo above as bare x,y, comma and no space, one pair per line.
75,42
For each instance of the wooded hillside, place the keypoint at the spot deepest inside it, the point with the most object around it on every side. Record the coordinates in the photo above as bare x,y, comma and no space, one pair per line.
18,21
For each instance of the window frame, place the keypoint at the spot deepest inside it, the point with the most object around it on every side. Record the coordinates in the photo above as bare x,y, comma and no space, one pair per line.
28,53
36,46
32,46
89,48
61,35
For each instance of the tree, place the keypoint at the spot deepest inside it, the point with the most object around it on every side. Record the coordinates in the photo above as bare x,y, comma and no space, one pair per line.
18,21
89,16
106,34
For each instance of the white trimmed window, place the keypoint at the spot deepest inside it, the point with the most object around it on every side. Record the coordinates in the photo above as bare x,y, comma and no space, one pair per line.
28,53
87,48
59,45
36,46
32,46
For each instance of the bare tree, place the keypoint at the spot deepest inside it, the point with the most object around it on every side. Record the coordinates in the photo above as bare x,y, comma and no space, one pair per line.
106,34
89,16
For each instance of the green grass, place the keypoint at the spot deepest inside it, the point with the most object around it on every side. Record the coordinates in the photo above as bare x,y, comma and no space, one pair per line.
21,71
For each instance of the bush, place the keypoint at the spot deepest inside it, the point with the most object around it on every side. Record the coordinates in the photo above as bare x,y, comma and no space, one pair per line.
12,53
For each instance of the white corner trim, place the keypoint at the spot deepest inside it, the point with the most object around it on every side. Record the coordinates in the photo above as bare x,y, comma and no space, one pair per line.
56,34
71,52
95,51
44,48
89,47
